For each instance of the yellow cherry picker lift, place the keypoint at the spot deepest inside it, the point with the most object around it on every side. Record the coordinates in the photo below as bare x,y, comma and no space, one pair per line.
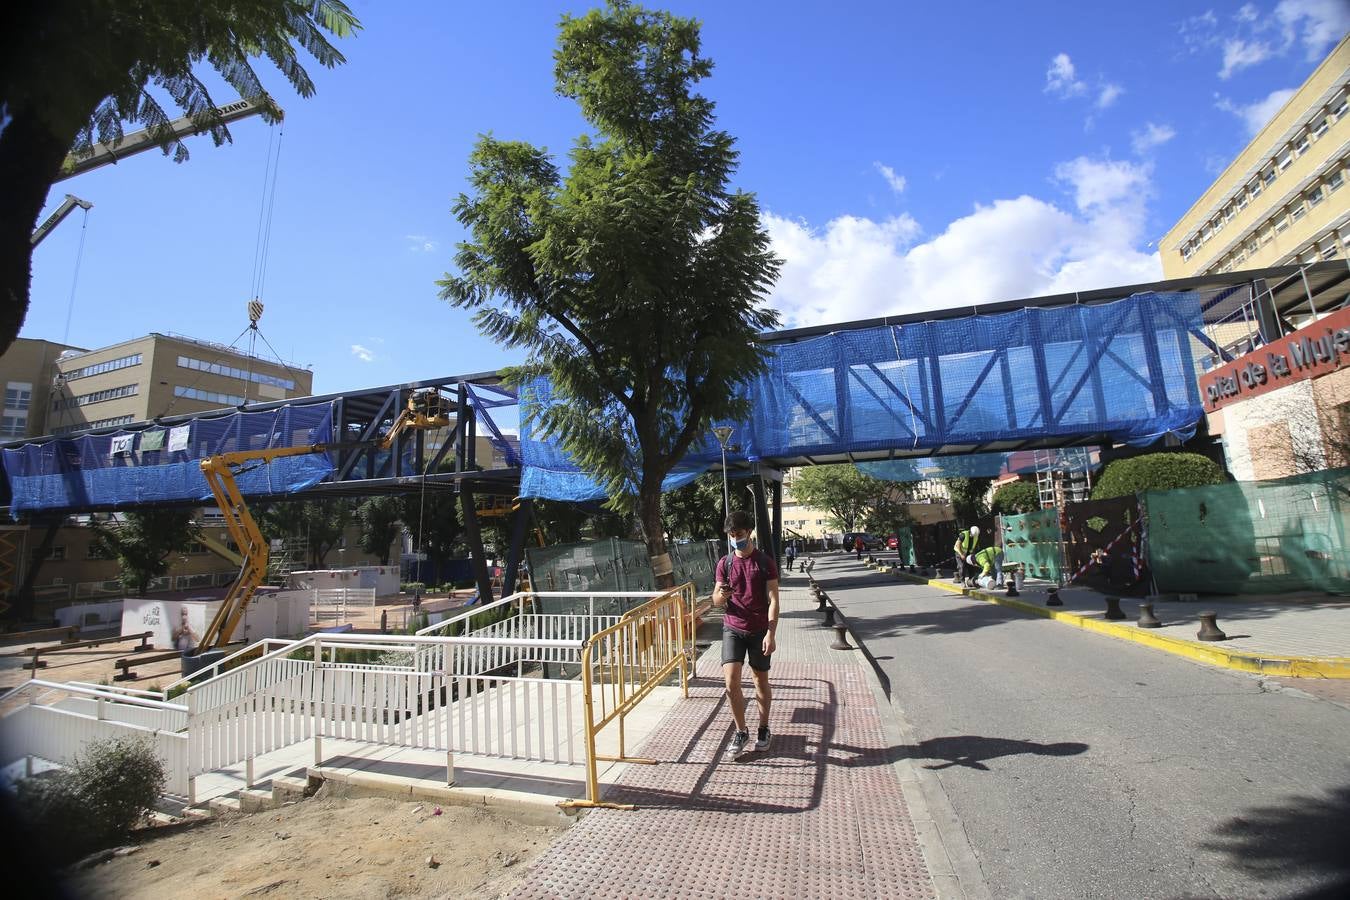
425,409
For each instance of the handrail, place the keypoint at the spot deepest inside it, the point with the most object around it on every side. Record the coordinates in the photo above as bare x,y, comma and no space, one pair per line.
469,614
192,679
105,695
117,688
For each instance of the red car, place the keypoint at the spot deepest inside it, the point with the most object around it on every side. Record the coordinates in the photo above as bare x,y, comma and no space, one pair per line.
893,542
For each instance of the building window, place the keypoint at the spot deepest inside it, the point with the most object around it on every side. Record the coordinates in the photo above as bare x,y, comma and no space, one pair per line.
1281,224
207,396
13,426
1339,109
96,550
107,366
1283,161
1252,245
1296,211
198,365
18,395
57,553
1302,146
126,390
1319,127
1330,250
1255,189
1334,180
1269,176
97,423
1315,196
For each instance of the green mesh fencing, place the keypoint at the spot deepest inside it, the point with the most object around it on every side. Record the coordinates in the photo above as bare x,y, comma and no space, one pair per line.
1033,539
612,565
1252,537
904,545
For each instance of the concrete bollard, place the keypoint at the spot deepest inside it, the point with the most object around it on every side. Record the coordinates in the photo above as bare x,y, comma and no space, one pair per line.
1209,629
1146,617
821,599
841,639
829,617
1052,598
1113,611
1011,589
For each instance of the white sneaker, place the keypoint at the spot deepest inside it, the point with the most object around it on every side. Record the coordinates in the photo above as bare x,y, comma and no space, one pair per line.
738,742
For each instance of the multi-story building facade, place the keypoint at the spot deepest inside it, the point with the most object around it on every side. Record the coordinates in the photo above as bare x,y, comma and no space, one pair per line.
56,389
162,374
1282,201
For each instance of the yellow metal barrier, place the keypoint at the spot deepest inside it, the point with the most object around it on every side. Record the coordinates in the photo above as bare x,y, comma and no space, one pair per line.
623,664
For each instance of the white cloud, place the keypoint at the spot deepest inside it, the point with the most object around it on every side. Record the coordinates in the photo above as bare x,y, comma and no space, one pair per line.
1061,79
1239,54
1256,115
1248,13
1316,23
421,243
363,353
1108,94
855,268
1151,136
897,182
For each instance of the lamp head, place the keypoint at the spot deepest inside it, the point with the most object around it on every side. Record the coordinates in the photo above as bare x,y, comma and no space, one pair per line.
723,432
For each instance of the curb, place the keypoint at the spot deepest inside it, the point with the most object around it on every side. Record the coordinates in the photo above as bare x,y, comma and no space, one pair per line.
1260,664
533,808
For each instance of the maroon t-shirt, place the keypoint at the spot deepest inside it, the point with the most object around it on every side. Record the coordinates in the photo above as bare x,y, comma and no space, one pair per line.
748,608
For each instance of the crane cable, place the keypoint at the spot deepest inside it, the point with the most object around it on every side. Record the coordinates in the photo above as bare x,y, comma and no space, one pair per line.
75,278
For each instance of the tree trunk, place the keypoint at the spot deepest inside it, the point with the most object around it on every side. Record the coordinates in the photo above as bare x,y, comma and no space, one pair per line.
649,506
30,157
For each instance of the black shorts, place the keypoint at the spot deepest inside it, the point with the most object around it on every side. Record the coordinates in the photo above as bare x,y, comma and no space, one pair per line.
737,644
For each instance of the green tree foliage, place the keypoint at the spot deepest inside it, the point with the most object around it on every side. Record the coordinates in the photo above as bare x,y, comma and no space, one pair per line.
1156,472
71,73
381,521
96,800
968,498
142,543
560,522
851,499
320,523
695,510
1016,497
433,519
635,281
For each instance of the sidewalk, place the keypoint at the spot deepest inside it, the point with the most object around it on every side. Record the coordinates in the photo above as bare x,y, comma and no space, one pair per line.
1299,635
823,813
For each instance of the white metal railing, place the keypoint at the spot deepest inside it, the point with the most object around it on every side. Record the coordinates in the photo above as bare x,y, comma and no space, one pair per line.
60,731
455,694
332,603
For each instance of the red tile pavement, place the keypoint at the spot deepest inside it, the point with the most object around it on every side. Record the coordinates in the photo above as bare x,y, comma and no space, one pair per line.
821,814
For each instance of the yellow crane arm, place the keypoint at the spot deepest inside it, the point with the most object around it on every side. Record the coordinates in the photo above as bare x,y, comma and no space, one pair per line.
425,409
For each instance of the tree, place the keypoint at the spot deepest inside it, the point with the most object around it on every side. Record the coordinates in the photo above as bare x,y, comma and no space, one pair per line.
695,510
320,523
634,281
1156,472
561,523
968,498
852,499
143,542
71,73
381,524
432,518
1016,497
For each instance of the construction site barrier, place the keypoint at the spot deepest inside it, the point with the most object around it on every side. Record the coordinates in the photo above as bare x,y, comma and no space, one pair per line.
622,665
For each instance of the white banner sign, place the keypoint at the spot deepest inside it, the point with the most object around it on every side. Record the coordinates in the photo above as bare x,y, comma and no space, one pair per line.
178,438
122,445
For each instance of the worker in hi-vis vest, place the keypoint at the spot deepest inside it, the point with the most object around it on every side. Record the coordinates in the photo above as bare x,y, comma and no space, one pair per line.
967,542
990,563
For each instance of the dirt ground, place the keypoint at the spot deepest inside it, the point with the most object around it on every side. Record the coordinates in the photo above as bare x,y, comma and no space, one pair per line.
331,848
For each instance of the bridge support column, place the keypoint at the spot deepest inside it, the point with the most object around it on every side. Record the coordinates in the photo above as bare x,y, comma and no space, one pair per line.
520,520
473,537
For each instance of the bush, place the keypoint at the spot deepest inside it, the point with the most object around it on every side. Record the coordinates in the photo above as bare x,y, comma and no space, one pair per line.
1156,472
1016,497
96,800
412,587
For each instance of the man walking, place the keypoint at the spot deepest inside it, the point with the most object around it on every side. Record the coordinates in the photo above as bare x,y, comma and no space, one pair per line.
791,554
747,585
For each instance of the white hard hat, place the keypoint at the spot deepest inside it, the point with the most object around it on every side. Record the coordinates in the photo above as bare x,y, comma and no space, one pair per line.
974,529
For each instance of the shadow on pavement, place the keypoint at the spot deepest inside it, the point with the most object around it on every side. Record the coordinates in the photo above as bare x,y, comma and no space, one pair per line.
1308,836
971,751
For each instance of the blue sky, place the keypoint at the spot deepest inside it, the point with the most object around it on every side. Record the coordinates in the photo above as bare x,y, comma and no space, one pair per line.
906,155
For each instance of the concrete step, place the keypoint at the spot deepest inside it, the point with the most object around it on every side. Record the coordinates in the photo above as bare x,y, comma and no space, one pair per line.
289,789
224,805
254,800
196,812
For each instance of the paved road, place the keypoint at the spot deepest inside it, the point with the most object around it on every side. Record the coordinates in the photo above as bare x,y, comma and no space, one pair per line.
1085,766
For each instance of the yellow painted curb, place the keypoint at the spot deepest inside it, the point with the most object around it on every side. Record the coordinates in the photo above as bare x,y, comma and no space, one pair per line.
1292,666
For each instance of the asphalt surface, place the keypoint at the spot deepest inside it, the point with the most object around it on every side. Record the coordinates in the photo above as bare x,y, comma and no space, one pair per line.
1084,766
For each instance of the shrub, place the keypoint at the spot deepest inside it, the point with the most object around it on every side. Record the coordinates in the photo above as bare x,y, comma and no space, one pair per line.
412,587
1016,497
96,800
1156,472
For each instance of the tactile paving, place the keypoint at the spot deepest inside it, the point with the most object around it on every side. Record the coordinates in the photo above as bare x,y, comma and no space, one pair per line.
820,814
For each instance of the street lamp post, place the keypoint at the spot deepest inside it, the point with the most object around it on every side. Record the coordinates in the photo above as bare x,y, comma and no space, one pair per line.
723,433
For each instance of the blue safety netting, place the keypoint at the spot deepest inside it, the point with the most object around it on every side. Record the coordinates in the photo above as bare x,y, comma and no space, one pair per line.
154,464
1120,372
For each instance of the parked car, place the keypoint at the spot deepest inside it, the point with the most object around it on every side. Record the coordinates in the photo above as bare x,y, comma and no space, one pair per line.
893,542
870,541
